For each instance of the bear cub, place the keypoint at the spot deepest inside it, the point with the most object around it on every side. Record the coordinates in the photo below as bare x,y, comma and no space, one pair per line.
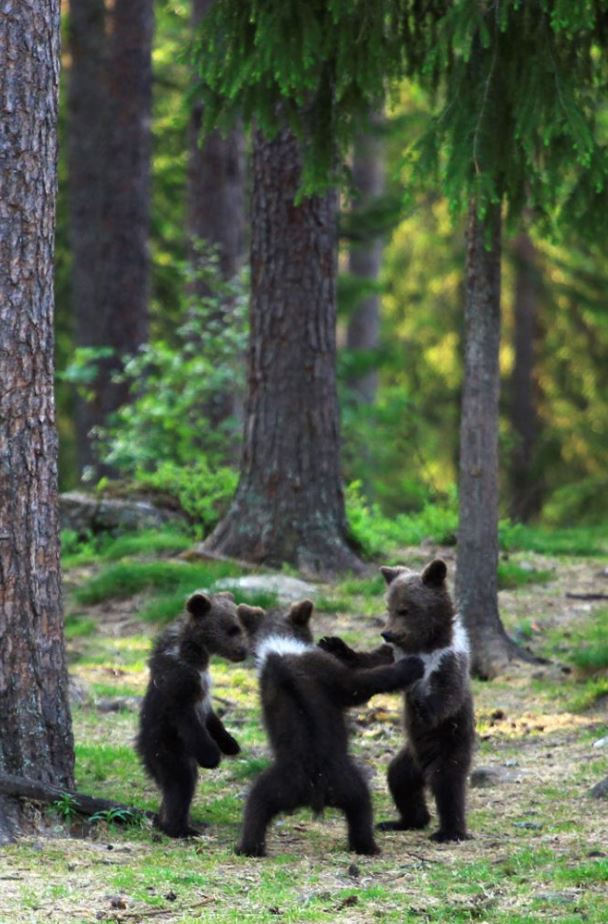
305,693
178,728
439,717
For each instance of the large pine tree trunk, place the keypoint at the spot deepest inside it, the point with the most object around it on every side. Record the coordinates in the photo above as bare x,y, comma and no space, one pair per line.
289,505
365,260
87,127
476,578
526,486
35,730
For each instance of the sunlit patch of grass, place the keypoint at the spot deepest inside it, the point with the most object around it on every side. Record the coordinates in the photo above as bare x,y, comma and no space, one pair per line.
146,543
333,604
589,643
588,694
364,587
554,541
129,578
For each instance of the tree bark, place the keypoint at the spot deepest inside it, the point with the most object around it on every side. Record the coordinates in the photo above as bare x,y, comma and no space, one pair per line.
87,128
526,485
216,213
289,505
477,563
35,728
365,260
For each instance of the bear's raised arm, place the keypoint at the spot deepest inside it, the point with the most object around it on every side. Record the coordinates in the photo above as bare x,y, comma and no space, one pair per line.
356,686
356,659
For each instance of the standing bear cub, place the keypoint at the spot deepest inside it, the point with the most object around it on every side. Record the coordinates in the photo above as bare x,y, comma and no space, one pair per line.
178,728
439,718
305,693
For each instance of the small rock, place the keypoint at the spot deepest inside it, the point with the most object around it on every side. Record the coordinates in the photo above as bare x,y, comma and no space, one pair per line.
601,742
558,898
353,871
170,896
511,762
487,777
117,901
600,790
528,825
288,589
117,705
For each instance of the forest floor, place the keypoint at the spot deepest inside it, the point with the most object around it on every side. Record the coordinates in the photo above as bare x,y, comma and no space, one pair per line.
540,847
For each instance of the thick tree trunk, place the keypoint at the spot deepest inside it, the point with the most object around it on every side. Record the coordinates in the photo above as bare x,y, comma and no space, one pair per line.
289,505
476,579
365,260
216,212
526,487
35,730
87,128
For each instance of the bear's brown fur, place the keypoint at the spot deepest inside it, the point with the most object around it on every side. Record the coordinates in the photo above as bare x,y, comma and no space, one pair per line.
439,718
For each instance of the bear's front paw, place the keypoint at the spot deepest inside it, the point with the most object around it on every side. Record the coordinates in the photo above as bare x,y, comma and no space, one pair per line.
230,746
336,647
409,670
209,758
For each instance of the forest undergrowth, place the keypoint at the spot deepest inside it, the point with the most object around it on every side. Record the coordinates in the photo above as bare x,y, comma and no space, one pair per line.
539,850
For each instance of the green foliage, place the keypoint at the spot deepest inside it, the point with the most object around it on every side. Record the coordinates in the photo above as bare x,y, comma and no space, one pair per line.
590,644
511,576
518,119
574,541
379,535
148,542
66,806
125,580
79,626
203,491
318,67
173,385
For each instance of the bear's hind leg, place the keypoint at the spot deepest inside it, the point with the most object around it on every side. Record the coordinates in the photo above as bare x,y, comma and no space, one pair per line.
350,793
449,789
406,783
275,790
178,787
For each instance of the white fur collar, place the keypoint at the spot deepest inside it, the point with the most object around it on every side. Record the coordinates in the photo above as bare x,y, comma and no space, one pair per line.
281,645
432,659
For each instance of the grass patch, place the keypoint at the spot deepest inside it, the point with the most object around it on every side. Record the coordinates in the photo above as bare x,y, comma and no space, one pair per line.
591,692
511,576
590,644
77,626
565,541
125,580
146,543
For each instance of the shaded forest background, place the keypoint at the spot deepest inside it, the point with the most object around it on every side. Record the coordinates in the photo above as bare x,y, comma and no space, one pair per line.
399,378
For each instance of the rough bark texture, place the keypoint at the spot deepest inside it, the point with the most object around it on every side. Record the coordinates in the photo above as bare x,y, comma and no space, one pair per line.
476,579
526,486
87,134
365,260
35,729
289,505
216,211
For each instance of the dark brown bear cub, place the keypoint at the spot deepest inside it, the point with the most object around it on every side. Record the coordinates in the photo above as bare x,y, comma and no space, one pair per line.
178,728
439,719
304,694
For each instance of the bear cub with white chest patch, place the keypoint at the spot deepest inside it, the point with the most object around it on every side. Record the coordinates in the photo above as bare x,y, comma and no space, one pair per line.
178,729
305,693
439,717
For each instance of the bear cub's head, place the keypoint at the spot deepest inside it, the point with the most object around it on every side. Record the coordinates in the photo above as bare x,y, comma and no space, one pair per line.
212,623
420,609
260,625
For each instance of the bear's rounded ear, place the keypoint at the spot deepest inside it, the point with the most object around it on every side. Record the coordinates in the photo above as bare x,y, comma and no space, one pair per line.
249,617
390,574
198,604
435,573
300,613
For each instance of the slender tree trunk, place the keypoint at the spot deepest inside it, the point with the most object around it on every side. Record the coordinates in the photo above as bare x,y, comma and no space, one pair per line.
476,579
216,209
365,260
35,730
87,128
125,258
526,486
216,213
289,505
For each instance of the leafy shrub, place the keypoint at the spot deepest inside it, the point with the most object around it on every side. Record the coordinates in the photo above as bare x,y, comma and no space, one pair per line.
379,535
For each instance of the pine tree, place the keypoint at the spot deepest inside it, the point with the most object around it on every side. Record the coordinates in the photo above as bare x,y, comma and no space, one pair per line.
35,727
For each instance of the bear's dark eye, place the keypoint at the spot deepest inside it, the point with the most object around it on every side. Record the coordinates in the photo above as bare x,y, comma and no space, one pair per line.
402,611
234,630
